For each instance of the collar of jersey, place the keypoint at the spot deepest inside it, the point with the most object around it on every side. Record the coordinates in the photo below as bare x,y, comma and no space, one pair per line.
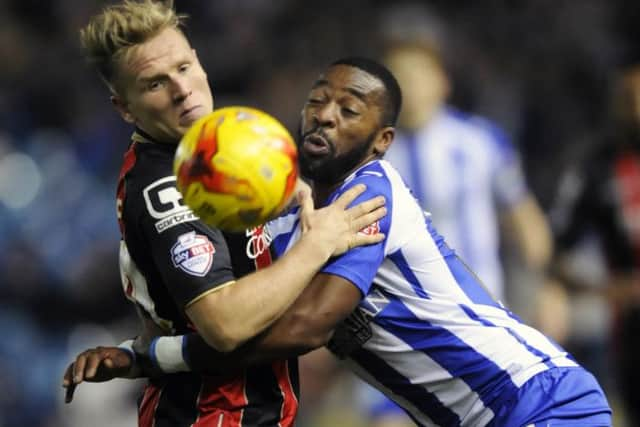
141,136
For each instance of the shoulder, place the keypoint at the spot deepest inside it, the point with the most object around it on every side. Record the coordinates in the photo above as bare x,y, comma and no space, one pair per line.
151,190
149,163
375,175
381,179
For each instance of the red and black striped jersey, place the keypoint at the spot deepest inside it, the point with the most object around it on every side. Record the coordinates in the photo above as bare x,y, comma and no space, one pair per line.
168,258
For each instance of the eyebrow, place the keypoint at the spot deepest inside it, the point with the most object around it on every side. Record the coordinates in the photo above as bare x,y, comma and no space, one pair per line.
361,96
358,94
161,74
150,78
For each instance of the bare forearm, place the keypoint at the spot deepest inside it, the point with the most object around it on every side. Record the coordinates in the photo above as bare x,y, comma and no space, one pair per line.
171,354
325,310
203,358
228,317
242,310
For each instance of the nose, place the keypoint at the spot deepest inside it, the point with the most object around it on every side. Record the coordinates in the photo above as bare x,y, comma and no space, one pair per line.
181,89
325,115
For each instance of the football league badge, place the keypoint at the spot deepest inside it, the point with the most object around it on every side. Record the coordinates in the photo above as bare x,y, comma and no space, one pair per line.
193,254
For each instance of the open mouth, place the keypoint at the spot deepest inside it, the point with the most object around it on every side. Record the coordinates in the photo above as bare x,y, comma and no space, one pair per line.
315,145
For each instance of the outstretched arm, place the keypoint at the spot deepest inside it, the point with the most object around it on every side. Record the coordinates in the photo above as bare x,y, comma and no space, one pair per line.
102,364
231,315
105,363
307,325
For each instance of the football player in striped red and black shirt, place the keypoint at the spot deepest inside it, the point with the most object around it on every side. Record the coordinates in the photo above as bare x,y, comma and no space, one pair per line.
181,274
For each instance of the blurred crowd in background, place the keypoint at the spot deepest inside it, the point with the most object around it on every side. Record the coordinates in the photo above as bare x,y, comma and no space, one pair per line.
541,70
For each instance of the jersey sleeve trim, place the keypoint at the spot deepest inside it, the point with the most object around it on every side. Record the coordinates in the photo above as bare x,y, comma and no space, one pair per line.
210,291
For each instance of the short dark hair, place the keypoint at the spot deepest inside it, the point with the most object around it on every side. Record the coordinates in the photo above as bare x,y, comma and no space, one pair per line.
392,98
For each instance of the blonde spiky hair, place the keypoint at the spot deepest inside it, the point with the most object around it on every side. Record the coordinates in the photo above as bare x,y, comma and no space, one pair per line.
110,34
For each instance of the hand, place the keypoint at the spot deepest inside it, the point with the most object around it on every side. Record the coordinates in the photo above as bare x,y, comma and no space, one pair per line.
336,228
301,188
97,365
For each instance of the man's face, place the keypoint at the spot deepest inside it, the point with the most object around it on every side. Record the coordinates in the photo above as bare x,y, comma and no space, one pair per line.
161,86
340,122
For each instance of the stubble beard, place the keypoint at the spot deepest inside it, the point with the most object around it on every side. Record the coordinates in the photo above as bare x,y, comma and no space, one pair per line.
330,169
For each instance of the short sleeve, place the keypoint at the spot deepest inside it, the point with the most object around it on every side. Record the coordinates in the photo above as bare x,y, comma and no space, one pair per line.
360,265
191,257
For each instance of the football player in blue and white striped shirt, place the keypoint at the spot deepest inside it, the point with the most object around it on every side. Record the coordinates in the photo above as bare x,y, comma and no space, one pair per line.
416,322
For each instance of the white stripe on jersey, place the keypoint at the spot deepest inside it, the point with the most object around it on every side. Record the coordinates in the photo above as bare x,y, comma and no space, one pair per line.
418,415
423,371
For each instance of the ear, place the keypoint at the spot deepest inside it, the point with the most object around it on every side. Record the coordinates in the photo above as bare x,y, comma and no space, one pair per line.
384,140
121,106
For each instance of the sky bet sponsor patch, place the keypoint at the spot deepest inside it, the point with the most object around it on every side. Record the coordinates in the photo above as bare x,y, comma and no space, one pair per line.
193,254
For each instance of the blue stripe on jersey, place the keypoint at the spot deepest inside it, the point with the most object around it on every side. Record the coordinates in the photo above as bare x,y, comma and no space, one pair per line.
545,357
400,261
281,241
442,245
448,350
555,344
471,285
422,399
466,279
152,353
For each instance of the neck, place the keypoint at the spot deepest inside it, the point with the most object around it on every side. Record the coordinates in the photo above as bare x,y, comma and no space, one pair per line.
322,191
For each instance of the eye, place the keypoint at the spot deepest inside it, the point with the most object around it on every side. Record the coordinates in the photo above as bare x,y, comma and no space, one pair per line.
349,112
184,67
314,101
154,85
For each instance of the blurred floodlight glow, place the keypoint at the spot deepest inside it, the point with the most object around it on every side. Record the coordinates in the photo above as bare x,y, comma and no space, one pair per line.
20,180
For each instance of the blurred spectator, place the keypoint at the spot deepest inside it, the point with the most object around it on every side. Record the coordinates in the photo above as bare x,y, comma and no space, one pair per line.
462,168
598,213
